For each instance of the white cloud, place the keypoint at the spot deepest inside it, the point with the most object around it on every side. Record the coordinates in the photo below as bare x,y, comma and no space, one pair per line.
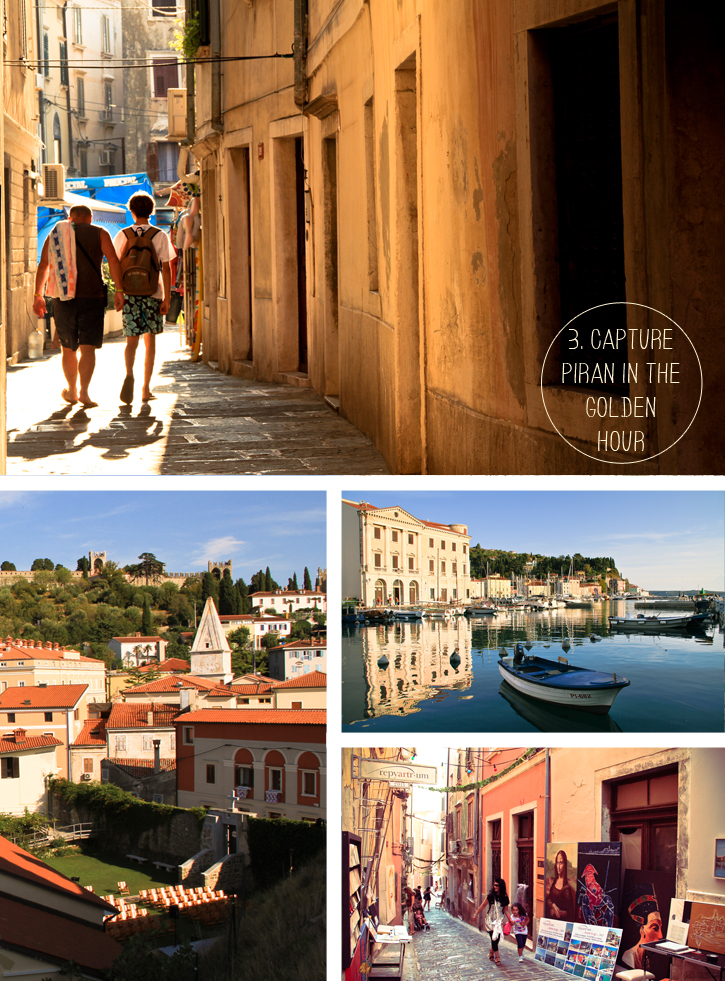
216,549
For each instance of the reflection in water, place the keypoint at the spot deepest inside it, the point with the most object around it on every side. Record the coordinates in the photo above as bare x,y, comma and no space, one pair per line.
409,660
433,667
555,718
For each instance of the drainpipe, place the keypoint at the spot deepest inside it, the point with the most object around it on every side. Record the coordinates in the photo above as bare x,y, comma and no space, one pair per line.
217,123
41,93
190,107
67,90
157,756
547,803
300,53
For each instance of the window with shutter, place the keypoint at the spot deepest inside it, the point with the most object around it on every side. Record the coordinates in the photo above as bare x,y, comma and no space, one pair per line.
165,75
46,55
106,33
163,8
77,26
81,96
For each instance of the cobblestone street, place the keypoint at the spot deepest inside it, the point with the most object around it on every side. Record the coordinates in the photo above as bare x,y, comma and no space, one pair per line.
454,951
202,422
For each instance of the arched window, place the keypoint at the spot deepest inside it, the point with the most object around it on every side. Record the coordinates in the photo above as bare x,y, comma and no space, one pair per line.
244,772
380,592
398,593
413,592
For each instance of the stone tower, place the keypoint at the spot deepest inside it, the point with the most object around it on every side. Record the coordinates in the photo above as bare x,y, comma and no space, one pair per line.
211,655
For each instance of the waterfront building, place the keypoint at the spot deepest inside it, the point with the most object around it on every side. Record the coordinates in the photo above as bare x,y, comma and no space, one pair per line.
390,557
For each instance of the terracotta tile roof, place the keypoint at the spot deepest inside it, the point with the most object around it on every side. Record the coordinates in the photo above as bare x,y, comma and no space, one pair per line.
15,861
52,696
93,733
302,645
167,666
362,506
175,683
134,715
250,618
250,678
139,640
30,742
299,717
313,679
288,592
260,688
137,767
44,933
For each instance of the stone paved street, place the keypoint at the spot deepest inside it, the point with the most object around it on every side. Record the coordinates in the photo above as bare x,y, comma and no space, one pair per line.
202,422
454,951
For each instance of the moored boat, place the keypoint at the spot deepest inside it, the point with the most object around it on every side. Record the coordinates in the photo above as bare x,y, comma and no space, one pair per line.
559,682
642,622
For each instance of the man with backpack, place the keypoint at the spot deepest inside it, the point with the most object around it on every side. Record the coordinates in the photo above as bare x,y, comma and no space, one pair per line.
145,253
70,264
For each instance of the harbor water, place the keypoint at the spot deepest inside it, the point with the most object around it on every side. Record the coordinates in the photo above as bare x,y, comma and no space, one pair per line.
443,675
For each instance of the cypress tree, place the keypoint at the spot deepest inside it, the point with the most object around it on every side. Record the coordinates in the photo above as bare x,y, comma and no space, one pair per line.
268,581
147,624
306,581
227,596
209,587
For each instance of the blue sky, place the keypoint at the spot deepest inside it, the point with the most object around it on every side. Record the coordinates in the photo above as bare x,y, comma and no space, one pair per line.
659,539
285,531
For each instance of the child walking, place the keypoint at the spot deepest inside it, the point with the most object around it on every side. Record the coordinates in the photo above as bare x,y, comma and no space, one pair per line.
519,924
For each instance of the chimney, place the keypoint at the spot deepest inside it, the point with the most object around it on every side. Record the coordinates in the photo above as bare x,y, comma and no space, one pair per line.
184,693
19,735
157,755
150,718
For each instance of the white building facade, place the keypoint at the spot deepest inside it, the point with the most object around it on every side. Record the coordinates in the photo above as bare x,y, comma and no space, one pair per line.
390,557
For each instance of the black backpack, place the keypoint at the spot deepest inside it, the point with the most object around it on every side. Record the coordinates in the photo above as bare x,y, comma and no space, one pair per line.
140,265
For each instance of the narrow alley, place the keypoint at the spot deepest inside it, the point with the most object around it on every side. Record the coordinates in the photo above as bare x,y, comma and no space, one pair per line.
201,422
455,951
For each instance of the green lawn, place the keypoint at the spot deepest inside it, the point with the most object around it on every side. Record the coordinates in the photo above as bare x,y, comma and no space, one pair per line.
104,873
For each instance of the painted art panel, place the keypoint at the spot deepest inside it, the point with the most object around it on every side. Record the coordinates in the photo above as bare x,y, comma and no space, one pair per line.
599,870
560,884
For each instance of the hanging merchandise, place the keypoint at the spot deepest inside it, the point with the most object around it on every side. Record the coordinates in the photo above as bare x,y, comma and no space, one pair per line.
196,348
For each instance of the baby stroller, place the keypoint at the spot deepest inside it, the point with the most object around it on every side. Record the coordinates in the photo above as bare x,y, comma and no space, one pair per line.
419,920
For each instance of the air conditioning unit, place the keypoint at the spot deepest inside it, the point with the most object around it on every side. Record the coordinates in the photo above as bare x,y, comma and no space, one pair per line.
53,184
86,776
177,113
106,157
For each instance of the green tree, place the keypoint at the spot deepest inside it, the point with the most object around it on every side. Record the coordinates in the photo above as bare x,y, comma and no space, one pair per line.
63,575
245,603
209,587
228,595
300,629
37,564
8,566
148,568
269,583
82,566
292,583
306,581
270,640
147,623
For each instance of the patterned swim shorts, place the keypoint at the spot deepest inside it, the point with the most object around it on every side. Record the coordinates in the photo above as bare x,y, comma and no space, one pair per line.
142,315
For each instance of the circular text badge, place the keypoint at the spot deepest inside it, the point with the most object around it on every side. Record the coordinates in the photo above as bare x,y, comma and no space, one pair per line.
626,376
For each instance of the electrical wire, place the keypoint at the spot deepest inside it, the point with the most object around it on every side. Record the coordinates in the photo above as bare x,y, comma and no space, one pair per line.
120,63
